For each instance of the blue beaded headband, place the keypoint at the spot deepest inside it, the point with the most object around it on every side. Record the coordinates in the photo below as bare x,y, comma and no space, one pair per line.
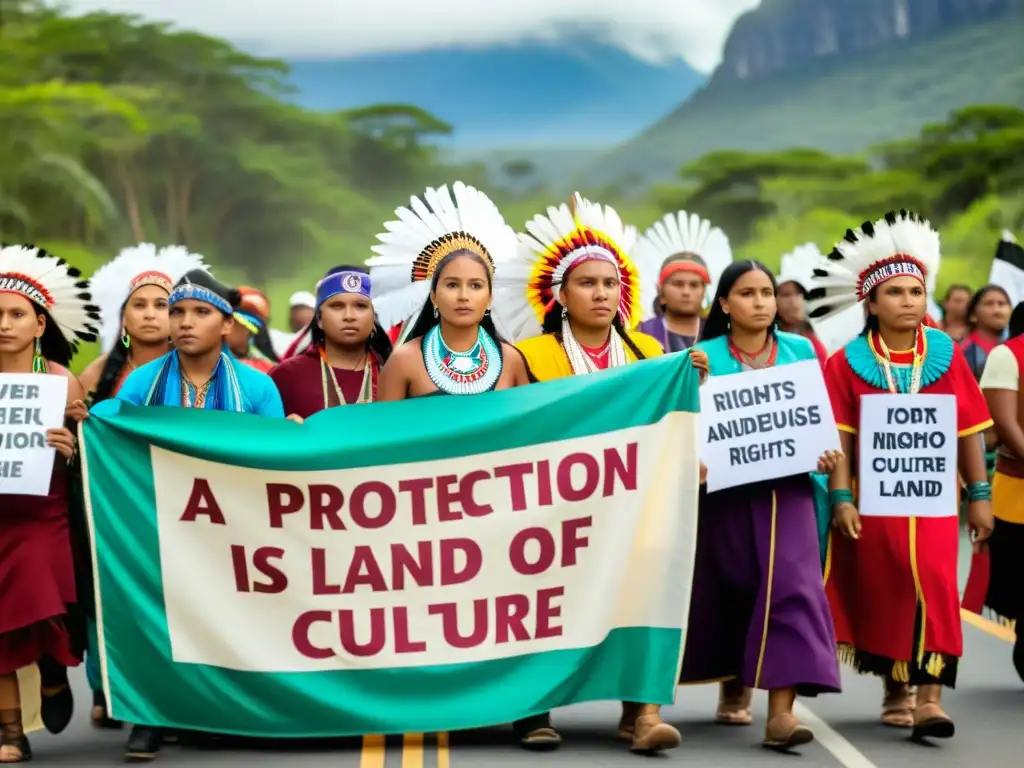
199,293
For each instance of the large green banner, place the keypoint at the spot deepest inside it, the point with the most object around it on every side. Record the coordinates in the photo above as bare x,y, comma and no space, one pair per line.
428,565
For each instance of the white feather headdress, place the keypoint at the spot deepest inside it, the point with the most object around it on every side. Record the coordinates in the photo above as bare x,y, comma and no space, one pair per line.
528,287
798,265
677,235
429,229
131,269
56,286
900,245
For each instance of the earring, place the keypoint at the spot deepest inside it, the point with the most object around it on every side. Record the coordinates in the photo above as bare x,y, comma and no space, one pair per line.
565,313
487,312
436,313
38,361
373,332
126,339
728,323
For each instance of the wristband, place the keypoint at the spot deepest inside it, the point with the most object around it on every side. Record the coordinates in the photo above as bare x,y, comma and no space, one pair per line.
840,496
980,491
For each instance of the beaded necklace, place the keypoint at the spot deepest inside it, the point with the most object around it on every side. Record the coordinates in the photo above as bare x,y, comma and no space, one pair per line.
327,374
462,373
765,358
885,360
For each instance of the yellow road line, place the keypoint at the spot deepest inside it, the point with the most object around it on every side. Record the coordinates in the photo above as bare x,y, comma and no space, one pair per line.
372,755
987,625
443,758
412,750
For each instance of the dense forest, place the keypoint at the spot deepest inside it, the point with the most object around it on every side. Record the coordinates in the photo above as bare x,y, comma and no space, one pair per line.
114,130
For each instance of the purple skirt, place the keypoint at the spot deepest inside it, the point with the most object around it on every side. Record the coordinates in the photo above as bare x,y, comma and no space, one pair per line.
758,609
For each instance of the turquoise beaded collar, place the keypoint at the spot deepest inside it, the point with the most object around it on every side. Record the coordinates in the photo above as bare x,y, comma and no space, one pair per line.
938,357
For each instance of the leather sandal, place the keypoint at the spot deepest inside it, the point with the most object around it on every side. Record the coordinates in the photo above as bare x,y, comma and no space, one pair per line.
734,710
14,746
784,732
651,733
536,733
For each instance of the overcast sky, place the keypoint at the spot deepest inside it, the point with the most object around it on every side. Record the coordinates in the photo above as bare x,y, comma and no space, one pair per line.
651,29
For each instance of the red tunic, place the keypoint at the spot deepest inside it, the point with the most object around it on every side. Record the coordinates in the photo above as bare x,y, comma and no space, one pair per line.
876,584
299,379
37,576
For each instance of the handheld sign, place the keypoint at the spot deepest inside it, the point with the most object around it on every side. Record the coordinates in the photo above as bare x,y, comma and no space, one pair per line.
30,404
907,453
762,425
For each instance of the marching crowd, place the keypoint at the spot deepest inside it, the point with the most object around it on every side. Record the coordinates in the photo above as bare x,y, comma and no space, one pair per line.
455,302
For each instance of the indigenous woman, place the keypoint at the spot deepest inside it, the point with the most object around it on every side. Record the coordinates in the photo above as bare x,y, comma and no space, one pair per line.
998,573
892,581
988,313
680,258
132,291
757,598
342,364
449,253
45,311
571,295
795,272
249,339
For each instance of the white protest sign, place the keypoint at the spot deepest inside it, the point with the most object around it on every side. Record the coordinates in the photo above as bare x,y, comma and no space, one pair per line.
30,404
762,425
907,456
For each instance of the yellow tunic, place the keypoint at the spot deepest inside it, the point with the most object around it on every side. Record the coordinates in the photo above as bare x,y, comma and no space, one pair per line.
547,360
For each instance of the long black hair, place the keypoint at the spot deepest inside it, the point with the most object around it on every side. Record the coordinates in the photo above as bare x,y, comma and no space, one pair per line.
717,323
1016,326
426,320
52,344
977,298
261,340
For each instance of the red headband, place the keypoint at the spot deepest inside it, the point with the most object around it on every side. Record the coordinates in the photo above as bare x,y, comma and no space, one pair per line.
684,266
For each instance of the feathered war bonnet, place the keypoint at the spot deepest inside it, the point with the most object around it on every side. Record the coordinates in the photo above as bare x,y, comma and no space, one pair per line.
57,289
552,246
429,229
900,245
134,268
670,246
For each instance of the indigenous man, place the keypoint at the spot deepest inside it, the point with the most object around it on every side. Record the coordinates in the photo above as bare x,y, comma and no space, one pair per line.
198,373
679,259
249,333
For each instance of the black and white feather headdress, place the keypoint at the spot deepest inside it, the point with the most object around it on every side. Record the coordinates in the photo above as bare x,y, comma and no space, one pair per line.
54,285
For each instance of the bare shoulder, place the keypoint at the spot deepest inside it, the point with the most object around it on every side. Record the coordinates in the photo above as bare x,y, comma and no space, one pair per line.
511,357
75,390
90,377
407,354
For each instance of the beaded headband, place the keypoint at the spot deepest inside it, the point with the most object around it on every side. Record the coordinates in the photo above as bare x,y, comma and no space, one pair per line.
199,293
342,282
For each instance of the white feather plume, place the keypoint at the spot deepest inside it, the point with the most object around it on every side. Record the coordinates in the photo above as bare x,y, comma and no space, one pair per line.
440,212
676,233
70,302
836,280
798,265
111,283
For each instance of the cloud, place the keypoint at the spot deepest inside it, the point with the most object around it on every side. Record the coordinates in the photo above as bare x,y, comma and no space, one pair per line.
654,30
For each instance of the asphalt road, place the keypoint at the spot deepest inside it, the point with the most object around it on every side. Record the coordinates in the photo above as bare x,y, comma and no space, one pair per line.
987,706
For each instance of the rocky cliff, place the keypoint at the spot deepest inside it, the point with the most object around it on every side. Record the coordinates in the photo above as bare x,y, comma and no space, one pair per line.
782,35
